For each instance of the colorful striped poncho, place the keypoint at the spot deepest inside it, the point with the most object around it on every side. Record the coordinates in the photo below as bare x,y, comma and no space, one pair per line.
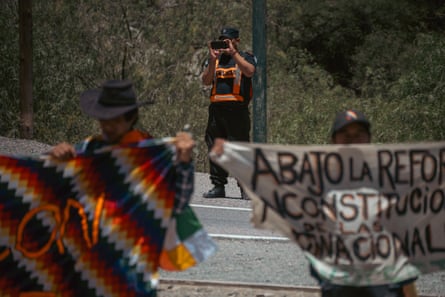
99,224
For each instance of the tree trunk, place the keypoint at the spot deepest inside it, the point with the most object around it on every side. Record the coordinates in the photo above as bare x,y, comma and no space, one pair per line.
26,102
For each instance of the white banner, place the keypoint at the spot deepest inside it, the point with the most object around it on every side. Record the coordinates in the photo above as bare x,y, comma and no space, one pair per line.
363,214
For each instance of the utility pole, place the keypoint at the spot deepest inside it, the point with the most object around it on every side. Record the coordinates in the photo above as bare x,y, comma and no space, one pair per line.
259,81
25,80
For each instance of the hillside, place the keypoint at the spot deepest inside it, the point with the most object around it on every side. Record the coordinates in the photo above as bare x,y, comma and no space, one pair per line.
383,57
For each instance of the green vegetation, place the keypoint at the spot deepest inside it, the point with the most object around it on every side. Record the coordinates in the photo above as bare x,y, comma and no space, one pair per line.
384,57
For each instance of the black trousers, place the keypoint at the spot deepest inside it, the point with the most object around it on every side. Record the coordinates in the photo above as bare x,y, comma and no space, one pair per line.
228,120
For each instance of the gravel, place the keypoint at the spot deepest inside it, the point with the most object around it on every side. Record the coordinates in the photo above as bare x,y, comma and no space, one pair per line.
13,146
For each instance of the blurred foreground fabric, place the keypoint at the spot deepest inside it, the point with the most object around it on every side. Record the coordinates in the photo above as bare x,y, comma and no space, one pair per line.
96,225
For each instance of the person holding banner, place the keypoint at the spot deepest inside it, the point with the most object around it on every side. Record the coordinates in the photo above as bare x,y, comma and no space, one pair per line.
115,107
349,127
352,127
230,73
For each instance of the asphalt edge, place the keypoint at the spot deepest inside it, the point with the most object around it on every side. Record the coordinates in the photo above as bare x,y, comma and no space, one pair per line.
307,289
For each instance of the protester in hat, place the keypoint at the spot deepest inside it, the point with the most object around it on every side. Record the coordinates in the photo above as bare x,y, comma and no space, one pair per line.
115,107
230,73
352,127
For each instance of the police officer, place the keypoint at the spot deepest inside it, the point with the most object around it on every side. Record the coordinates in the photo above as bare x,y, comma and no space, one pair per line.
230,72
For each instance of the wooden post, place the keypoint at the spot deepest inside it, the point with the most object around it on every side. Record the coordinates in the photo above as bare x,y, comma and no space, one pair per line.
25,80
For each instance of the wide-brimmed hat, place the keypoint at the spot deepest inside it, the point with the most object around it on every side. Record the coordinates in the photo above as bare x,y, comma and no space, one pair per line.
348,117
112,99
229,33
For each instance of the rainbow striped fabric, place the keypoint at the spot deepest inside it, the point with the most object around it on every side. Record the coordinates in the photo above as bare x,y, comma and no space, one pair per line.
96,225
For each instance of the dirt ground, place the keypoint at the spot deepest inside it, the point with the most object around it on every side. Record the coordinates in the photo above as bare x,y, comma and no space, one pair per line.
171,289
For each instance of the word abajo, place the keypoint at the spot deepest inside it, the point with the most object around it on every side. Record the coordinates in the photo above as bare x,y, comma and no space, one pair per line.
316,170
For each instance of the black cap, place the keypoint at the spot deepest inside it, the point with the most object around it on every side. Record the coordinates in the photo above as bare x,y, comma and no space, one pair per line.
347,117
229,33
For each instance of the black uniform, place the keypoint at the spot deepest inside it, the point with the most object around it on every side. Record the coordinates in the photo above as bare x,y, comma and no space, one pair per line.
228,119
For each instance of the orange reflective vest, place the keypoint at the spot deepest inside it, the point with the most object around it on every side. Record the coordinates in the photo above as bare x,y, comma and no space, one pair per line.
223,73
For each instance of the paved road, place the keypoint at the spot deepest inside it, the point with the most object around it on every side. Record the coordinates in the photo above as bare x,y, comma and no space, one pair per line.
250,255
239,259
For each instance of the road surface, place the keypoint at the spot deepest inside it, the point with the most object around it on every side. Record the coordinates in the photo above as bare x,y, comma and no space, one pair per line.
245,254
250,255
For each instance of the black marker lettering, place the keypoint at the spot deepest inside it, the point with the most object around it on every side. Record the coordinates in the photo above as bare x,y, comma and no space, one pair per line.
337,163
385,161
417,241
314,190
287,162
400,168
264,169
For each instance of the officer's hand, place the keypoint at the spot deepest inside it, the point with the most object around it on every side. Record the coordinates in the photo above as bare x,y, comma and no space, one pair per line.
214,53
230,50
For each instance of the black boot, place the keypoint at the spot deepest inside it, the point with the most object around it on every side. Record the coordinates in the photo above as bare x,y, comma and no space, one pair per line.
216,192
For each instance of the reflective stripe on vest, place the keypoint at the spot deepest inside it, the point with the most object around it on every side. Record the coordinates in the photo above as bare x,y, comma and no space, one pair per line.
222,73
